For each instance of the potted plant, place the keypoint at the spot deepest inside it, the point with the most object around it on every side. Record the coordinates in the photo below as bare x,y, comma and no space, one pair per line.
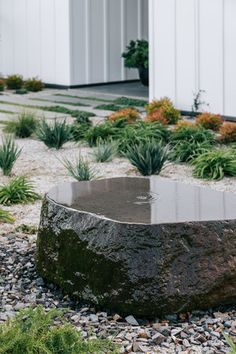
137,56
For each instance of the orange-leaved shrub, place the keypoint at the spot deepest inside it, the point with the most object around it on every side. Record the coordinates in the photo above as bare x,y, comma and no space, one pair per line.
185,124
210,121
129,115
169,111
2,85
158,115
228,132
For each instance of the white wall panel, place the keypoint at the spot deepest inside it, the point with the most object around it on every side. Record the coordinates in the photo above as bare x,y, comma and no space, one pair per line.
101,29
192,47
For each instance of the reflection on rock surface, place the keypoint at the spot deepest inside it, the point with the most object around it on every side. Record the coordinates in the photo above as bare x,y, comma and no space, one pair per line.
139,245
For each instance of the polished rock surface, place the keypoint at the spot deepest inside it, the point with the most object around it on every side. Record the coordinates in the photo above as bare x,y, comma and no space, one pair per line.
141,246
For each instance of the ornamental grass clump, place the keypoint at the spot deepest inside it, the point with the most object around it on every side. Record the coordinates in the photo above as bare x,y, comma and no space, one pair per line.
184,151
148,157
79,131
228,133
80,170
18,191
54,135
104,131
128,115
192,134
215,164
37,331
141,132
105,151
24,126
9,153
210,121
6,217
165,108
14,82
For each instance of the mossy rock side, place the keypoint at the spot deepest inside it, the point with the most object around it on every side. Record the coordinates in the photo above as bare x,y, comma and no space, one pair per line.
145,270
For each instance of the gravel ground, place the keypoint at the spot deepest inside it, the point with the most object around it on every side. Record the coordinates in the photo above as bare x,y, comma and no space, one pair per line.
199,332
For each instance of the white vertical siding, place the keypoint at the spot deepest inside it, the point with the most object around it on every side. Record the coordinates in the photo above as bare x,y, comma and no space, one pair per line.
192,47
35,39
101,29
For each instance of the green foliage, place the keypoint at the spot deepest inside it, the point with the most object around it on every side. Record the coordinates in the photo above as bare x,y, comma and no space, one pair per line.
54,135
105,151
14,82
79,115
215,164
9,153
81,170
82,116
231,344
185,151
137,54
5,217
79,131
148,156
99,132
193,134
18,190
33,331
2,85
26,229
130,102
141,132
25,125
21,91
34,85
109,107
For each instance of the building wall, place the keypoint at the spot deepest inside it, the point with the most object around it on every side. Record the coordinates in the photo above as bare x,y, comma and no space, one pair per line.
34,39
195,51
69,42
101,29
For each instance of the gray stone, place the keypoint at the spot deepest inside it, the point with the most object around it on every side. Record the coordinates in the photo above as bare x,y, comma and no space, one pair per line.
122,261
131,320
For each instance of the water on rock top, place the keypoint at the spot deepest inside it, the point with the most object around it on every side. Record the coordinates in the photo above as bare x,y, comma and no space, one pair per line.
152,200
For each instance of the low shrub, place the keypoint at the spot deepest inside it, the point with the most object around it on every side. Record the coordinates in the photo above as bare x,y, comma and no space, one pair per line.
185,124
18,191
14,82
148,157
35,331
210,121
215,164
105,151
54,135
130,102
81,170
2,85
192,134
228,132
141,132
185,151
21,91
26,229
9,153
79,131
100,132
167,108
128,115
6,217
82,116
109,107
34,85
24,126
157,116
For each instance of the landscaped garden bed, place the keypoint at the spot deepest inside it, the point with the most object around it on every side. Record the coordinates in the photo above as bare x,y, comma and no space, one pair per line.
51,155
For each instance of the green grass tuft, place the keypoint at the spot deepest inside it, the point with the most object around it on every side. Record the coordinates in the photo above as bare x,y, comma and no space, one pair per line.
18,191
105,151
9,153
81,170
185,151
33,331
148,157
54,135
130,102
6,217
24,126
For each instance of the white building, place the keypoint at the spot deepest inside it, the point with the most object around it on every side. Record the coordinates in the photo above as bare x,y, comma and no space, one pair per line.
79,42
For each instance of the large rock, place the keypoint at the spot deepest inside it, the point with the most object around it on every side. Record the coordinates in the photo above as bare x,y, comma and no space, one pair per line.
148,267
